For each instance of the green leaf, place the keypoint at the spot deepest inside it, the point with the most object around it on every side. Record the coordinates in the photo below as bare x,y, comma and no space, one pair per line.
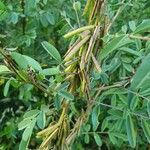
142,74
143,27
132,25
41,120
86,138
6,87
50,18
124,29
146,129
33,63
23,145
20,60
148,108
4,69
52,51
57,101
77,6
14,17
24,123
63,86
3,11
134,102
116,113
2,6
87,127
45,108
15,83
28,131
104,124
31,113
45,2
119,135
130,131
95,115
24,61
97,139
138,44
50,71
43,20
131,51
114,44
141,77
112,138
27,135
128,67
66,95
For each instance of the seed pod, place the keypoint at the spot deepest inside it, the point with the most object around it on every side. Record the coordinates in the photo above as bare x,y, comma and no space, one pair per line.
76,48
79,30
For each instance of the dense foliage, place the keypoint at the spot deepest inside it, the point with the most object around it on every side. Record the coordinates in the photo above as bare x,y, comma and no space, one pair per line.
74,74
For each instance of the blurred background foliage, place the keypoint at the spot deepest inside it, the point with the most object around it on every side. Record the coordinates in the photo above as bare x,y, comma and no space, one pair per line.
24,25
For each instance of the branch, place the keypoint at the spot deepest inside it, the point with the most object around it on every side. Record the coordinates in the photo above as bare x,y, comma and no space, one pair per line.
139,37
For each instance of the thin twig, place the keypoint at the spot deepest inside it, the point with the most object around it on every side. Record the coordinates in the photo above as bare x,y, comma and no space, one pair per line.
121,84
137,94
95,132
120,109
115,17
77,15
116,108
102,88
